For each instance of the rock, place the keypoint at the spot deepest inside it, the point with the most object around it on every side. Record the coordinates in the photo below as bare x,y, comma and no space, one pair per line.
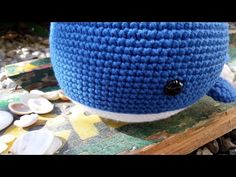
1,42
45,42
206,151
11,53
3,76
36,53
29,38
8,83
199,152
233,134
47,55
42,55
46,50
232,152
2,54
10,35
227,144
213,146
27,56
24,49
8,44
37,46
40,38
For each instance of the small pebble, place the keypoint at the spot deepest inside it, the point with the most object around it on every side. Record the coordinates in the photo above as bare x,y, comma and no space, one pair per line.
11,53
199,152
213,146
206,151
3,76
232,152
2,54
8,84
45,42
25,49
227,144
36,53
233,134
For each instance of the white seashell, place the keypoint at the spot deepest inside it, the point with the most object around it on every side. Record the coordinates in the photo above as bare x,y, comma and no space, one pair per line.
62,96
7,138
33,143
37,104
3,147
19,108
6,119
52,96
227,74
26,120
37,92
55,146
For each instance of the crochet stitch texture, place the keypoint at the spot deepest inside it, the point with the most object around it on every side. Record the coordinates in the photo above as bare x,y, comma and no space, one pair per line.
124,66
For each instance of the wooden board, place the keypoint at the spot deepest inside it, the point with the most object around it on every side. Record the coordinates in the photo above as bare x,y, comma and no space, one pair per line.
195,137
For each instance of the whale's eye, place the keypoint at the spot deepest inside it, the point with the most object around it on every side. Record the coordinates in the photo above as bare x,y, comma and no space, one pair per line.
173,87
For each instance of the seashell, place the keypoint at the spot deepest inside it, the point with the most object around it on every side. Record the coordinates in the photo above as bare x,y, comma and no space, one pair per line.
37,104
6,119
37,92
3,147
52,96
56,145
33,143
7,138
19,108
26,120
227,74
62,96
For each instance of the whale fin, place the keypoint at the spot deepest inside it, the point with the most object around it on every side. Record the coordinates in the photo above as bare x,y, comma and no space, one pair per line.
223,91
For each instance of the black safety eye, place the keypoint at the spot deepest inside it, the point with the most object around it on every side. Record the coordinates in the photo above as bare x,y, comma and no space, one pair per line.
173,87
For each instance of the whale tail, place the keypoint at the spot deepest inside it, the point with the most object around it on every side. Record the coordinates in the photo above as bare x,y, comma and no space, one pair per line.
223,91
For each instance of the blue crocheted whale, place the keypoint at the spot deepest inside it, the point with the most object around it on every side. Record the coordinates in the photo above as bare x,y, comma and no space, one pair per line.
140,68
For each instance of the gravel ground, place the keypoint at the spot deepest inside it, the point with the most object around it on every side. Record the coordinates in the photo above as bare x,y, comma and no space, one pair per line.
22,48
16,48
232,25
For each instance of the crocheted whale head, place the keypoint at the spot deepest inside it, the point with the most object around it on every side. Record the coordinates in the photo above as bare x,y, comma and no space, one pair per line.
136,71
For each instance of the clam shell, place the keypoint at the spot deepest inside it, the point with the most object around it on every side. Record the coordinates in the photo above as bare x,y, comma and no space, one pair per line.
6,119
3,147
7,138
19,108
51,96
37,104
35,142
55,146
26,120
37,92
62,96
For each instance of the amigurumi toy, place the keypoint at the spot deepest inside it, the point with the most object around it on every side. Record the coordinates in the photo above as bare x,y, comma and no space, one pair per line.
140,71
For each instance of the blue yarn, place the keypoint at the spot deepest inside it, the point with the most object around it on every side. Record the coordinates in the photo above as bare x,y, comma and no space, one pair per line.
124,66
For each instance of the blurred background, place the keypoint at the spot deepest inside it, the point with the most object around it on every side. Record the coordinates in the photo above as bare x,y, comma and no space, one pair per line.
22,41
